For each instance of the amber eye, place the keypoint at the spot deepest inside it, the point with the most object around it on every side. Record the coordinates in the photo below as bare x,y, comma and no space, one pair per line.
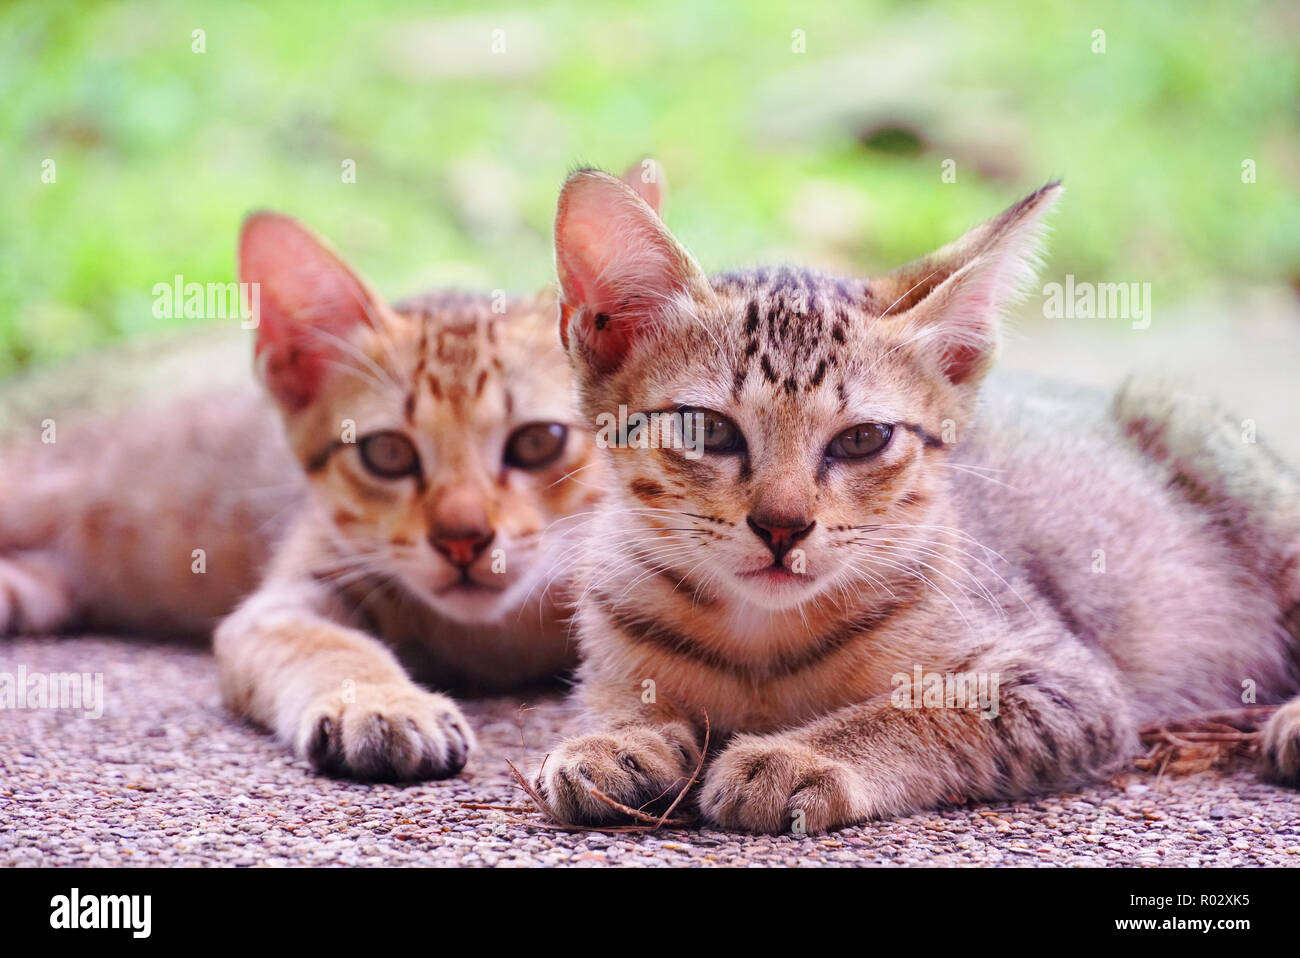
859,442
389,455
721,435
536,444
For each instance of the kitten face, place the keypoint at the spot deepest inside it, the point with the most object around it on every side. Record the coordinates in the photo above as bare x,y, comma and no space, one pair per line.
827,400
437,435
792,361
455,477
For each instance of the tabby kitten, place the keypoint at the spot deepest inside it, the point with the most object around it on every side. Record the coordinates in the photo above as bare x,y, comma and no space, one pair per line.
886,587
390,509
435,441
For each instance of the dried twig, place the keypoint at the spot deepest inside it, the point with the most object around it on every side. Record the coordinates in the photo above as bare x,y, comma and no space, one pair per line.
559,824
528,788
519,722
699,767
1201,742
636,813
642,821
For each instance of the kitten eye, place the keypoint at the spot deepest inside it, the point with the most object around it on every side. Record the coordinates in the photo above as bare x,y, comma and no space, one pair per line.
389,455
536,444
721,435
859,442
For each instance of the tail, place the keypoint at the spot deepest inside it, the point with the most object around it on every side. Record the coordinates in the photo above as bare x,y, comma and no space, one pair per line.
1213,459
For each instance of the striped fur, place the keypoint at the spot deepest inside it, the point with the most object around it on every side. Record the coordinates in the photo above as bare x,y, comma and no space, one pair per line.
338,587
334,594
1013,531
455,374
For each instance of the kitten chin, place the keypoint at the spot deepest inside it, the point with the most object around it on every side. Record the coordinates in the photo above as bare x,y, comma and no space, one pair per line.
466,603
471,604
773,588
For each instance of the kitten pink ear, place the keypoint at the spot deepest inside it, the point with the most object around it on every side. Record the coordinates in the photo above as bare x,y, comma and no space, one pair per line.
307,300
949,303
619,269
650,182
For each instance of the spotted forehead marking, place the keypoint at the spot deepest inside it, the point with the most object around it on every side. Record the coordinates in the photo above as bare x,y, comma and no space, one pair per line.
456,355
794,324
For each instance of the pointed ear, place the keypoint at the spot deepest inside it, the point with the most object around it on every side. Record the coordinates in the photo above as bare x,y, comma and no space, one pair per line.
949,303
650,182
306,300
618,268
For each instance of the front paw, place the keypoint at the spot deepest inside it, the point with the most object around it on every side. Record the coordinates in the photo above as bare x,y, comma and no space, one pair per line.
642,768
768,784
33,599
1279,750
393,732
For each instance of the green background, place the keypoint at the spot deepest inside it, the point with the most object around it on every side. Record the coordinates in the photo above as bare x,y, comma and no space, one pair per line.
828,157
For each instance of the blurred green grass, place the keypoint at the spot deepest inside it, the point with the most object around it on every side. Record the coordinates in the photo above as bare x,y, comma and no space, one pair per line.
829,157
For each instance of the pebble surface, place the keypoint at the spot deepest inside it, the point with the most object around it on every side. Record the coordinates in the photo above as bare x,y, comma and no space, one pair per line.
168,777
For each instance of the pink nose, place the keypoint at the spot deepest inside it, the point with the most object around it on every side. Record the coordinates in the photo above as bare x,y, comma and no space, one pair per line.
461,546
779,533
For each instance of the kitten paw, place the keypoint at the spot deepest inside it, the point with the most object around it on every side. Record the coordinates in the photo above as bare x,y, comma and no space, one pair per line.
1279,747
33,599
642,768
386,733
767,784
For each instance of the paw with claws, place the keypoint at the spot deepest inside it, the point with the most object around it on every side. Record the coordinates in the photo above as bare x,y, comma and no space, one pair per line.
33,597
386,733
1279,747
768,784
640,767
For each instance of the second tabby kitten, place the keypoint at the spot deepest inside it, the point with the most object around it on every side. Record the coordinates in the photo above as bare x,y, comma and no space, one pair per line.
866,518
398,510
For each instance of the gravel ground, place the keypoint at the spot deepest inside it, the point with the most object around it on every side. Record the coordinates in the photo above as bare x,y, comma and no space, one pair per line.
167,777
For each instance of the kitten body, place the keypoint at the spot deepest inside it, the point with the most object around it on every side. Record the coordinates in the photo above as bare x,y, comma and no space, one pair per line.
450,562
108,516
1087,564
163,516
397,500
101,517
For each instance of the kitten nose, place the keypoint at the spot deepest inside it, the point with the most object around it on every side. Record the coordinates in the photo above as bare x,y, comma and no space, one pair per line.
461,545
780,533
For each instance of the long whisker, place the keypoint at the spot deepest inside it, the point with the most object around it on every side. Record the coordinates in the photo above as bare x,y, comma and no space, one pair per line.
386,376
979,589
974,558
909,570
571,474
978,475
